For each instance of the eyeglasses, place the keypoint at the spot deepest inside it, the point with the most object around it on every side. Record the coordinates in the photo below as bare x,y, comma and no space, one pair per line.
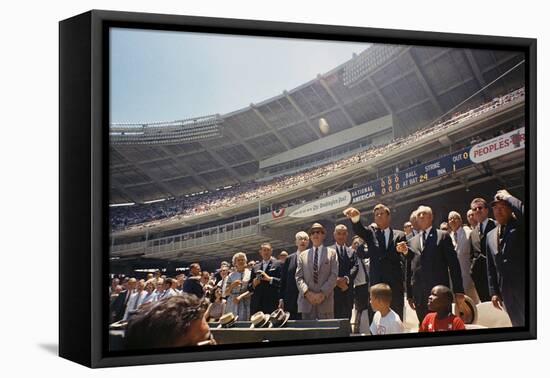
478,208
316,232
302,238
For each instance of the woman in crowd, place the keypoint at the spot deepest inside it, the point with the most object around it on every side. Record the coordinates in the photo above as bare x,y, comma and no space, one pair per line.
150,294
238,297
217,306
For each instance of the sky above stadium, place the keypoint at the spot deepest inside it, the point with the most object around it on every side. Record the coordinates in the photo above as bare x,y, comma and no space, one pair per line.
165,76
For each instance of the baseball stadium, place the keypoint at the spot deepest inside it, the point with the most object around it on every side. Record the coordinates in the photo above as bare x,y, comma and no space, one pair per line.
398,125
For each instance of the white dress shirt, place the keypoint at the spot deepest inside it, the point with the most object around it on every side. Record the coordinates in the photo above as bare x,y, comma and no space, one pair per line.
386,236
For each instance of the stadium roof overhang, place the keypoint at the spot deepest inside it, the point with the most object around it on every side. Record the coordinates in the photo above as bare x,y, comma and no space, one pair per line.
414,84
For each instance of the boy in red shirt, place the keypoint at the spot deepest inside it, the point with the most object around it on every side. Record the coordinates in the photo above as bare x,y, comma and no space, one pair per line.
441,319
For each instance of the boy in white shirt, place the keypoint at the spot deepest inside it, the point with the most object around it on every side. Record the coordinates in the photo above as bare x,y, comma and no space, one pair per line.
385,320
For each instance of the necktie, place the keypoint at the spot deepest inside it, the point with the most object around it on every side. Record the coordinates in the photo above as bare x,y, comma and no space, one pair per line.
315,268
424,237
480,229
381,239
501,231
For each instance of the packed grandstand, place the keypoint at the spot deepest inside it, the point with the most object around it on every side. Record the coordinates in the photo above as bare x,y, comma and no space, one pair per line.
141,215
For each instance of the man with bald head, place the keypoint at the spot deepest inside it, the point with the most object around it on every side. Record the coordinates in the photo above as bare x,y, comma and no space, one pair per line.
347,270
289,290
430,258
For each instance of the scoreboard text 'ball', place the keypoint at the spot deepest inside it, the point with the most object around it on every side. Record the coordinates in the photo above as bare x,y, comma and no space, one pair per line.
323,126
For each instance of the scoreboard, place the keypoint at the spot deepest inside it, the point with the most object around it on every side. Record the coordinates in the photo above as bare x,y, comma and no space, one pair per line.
415,175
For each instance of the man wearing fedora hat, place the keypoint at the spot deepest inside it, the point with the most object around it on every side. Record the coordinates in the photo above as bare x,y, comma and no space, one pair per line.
506,258
316,276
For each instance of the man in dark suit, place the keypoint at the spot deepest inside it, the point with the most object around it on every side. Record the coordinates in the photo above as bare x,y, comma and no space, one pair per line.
347,270
218,275
192,284
478,269
266,283
430,258
386,263
361,294
506,258
289,289
118,307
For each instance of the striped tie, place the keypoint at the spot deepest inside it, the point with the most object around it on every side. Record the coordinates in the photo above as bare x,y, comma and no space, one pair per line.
315,267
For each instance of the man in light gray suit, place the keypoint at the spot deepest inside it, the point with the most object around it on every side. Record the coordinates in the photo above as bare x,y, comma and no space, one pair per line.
316,275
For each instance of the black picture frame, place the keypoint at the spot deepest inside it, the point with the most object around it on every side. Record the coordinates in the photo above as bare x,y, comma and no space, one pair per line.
84,190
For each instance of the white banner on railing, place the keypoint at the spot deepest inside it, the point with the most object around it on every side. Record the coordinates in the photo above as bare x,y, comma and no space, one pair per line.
322,205
498,146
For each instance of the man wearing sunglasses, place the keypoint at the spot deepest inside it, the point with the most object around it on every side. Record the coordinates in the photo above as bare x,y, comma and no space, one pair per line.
316,275
478,236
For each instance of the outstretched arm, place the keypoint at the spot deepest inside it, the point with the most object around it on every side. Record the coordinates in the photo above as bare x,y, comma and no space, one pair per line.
363,232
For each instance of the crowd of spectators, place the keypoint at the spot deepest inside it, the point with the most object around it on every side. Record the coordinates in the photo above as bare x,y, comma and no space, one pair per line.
318,280
146,215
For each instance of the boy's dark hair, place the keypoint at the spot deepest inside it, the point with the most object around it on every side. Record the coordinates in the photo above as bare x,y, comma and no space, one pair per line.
382,292
169,281
448,292
162,324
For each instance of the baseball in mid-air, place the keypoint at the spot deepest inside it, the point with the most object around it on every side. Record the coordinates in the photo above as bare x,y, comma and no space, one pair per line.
323,126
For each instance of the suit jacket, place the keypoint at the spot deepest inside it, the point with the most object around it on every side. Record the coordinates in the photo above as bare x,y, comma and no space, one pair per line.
118,307
363,263
506,268
479,247
192,285
289,289
266,295
328,272
431,265
347,266
386,265
463,245
478,267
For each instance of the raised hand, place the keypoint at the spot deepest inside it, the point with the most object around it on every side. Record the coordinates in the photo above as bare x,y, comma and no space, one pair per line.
502,195
351,212
402,247
497,302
